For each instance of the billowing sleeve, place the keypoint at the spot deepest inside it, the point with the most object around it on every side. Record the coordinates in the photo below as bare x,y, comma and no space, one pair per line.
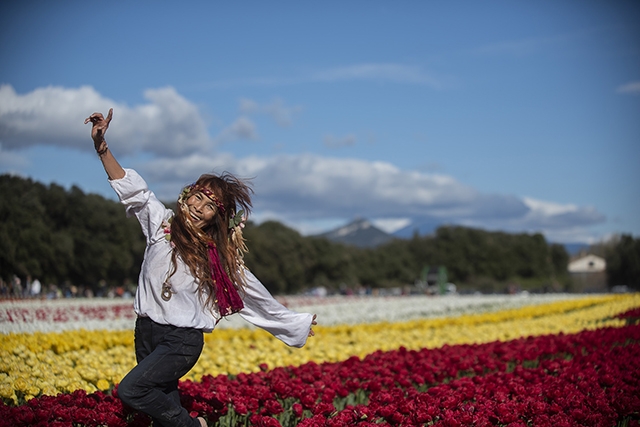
133,192
262,310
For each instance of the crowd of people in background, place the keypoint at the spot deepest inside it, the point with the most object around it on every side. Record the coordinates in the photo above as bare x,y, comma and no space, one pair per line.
33,288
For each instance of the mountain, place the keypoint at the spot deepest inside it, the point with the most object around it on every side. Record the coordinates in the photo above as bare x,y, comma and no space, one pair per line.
362,233
359,232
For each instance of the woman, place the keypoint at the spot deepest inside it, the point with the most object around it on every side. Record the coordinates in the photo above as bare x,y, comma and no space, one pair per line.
192,276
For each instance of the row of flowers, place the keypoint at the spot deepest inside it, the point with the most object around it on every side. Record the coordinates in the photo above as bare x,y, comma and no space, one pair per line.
591,378
58,315
115,314
365,309
48,363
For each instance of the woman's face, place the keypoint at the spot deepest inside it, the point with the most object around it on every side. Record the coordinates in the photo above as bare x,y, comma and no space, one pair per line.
201,209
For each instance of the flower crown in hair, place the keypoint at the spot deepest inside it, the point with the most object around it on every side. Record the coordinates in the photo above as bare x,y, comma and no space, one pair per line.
204,190
237,220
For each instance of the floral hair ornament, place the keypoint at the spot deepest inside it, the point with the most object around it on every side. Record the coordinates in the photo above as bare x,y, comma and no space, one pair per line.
237,220
184,195
166,228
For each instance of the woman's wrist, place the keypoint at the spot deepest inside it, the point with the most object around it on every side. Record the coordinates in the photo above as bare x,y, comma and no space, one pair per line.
101,148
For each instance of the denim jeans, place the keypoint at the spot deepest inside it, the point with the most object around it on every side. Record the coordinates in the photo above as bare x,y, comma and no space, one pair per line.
164,353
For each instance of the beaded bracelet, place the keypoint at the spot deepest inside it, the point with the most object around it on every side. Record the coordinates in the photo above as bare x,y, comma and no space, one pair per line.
104,148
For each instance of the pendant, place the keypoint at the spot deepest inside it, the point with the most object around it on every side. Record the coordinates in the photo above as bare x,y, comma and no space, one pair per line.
166,291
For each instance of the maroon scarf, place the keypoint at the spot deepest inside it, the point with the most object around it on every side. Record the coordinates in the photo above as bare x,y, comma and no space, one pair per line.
227,297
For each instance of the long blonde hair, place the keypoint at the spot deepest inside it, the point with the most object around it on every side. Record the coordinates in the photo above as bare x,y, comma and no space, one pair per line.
192,243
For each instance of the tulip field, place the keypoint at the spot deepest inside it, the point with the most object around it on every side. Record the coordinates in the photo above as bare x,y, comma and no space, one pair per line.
485,360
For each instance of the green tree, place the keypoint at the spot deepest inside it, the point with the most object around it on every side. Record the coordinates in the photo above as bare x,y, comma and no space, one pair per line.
623,262
278,255
60,236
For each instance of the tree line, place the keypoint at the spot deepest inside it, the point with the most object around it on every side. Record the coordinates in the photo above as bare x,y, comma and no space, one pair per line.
485,261
59,235
66,236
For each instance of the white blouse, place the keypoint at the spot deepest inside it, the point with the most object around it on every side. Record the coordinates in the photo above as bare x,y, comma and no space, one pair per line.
186,308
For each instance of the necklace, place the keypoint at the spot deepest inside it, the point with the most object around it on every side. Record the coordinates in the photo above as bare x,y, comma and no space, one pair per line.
167,290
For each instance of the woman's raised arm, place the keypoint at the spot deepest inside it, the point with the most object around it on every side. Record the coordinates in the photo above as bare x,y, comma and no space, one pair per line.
98,129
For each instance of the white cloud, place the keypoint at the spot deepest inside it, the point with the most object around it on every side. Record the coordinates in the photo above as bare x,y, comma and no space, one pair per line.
277,110
548,215
167,125
241,128
543,208
305,190
168,175
282,114
558,222
391,225
47,115
633,88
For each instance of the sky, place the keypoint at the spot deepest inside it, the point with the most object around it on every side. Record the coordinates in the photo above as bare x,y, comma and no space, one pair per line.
515,116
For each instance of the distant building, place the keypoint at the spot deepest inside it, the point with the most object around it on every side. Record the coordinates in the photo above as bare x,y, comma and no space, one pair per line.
588,264
588,274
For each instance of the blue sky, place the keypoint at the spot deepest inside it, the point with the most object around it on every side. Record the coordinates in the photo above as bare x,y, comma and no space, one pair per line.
502,115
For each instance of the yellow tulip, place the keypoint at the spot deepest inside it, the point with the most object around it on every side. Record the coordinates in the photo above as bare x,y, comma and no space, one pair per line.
103,384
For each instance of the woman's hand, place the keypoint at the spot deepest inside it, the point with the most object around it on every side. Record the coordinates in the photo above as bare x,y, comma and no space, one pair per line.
313,322
99,127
